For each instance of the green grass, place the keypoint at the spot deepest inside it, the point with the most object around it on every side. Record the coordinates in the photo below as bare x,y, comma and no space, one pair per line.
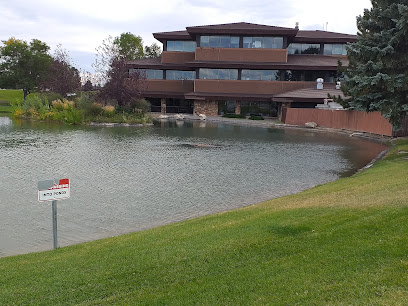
342,243
11,95
7,96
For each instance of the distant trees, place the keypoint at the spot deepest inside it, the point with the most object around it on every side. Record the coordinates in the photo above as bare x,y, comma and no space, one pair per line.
61,77
377,76
22,64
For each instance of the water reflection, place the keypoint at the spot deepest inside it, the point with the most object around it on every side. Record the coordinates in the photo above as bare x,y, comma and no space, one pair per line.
126,178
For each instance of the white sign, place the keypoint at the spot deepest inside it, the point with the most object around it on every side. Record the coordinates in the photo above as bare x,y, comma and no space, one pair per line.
51,190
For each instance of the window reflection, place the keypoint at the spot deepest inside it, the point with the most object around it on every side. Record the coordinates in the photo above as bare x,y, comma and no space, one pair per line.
180,75
262,75
296,48
263,42
181,45
335,49
215,41
219,74
154,74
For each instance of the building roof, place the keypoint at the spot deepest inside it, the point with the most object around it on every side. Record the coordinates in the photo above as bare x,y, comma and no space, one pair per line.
241,28
174,35
323,36
246,28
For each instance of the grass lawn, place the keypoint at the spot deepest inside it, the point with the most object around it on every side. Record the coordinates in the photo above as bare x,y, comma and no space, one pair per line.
11,94
6,96
342,243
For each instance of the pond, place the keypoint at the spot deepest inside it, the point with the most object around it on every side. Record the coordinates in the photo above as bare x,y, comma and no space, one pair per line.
126,179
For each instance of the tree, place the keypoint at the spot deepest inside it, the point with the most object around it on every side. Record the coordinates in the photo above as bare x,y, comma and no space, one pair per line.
377,78
129,46
61,76
112,70
87,86
152,51
22,64
122,86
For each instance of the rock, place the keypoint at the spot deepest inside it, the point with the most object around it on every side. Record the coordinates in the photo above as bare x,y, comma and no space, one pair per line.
311,124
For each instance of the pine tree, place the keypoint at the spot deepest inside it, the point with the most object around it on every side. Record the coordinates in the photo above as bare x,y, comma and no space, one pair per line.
377,76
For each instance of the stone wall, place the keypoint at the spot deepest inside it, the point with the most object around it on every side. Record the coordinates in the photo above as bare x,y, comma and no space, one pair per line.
208,108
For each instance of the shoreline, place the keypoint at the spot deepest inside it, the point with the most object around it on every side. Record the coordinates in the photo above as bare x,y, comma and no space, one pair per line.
275,123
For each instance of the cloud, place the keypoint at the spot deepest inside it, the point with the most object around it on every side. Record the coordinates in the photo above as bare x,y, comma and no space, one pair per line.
81,26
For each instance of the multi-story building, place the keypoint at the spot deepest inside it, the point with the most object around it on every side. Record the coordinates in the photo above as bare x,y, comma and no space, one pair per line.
242,68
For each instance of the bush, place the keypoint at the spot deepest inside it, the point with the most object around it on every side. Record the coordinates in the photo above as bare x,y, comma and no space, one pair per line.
256,117
49,96
108,111
239,116
140,106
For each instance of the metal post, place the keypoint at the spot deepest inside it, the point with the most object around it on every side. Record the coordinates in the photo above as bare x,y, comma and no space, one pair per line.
54,223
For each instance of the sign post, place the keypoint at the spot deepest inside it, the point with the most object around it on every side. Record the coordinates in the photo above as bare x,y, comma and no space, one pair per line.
53,190
54,224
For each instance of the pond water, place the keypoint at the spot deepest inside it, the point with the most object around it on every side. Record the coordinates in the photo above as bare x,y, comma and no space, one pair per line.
126,179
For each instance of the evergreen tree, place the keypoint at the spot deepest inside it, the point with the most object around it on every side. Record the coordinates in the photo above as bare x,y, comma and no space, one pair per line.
377,76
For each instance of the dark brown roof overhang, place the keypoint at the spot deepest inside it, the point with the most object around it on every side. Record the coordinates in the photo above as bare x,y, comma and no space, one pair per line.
159,66
163,94
175,35
323,37
241,28
260,66
226,96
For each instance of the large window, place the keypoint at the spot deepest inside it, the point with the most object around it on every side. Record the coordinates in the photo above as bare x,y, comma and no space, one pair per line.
262,75
296,48
219,41
335,49
263,42
180,75
154,74
181,45
219,74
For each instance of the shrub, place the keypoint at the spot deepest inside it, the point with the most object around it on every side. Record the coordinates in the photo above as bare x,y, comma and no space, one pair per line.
239,116
256,117
109,111
57,105
94,109
140,106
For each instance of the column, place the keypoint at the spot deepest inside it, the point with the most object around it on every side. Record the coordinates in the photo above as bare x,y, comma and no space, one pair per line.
238,107
163,106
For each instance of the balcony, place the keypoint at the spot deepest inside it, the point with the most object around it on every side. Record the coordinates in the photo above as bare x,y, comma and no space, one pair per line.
176,57
241,55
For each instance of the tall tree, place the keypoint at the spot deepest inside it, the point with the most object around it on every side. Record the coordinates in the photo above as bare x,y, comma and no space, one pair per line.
112,70
129,46
61,76
122,86
22,64
377,76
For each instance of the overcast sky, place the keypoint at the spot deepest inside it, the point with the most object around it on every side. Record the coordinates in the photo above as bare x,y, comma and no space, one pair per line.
80,26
